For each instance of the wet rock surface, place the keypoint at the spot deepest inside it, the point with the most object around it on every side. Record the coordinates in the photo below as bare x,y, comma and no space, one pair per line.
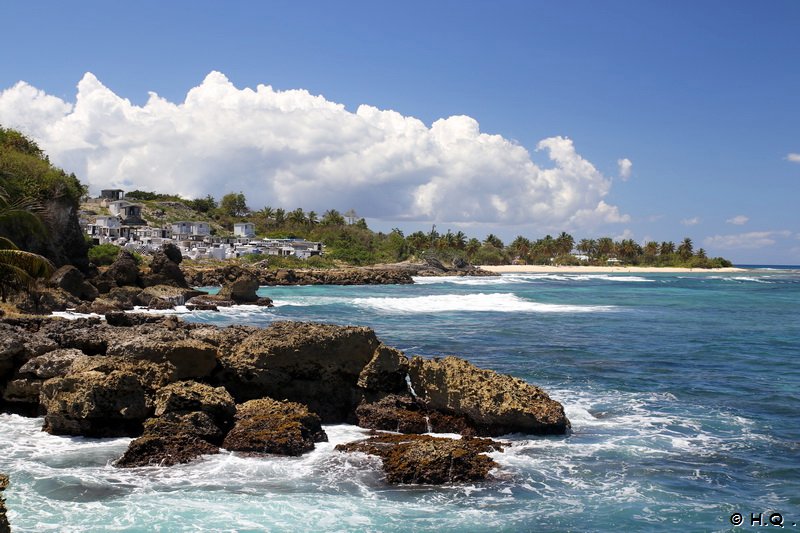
495,403
183,390
4,525
267,426
429,460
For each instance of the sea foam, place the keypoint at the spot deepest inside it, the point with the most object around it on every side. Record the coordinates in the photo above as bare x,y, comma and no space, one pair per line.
498,302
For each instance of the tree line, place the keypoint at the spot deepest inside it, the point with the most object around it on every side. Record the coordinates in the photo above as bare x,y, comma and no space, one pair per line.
347,237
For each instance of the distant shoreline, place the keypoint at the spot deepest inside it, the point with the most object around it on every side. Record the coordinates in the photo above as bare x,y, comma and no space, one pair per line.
550,269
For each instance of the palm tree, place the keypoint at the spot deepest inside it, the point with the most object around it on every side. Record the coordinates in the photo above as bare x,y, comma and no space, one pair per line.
280,216
494,240
521,247
685,248
587,246
605,247
20,269
564,243
332,217
667,248
312,218
297,217
461,240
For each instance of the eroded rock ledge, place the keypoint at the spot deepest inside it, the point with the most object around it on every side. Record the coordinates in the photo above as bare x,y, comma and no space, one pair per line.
185,390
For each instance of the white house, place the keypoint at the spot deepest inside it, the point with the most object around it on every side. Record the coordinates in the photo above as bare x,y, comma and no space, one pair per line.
104,228
244,229
131,214
185,230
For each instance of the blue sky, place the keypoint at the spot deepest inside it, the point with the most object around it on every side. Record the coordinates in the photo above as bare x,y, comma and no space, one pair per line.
701,97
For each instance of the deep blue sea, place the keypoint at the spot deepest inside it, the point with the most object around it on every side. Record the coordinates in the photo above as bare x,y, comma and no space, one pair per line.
683,391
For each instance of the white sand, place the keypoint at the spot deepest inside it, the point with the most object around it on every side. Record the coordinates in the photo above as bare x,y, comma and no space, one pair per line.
520,269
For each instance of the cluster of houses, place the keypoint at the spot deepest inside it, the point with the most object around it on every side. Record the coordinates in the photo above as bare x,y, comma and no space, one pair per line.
125,227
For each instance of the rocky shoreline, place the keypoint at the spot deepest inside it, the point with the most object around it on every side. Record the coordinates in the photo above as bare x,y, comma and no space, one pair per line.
166,283
185,390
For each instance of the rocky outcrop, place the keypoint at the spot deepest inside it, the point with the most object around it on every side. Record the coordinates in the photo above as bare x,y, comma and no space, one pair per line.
124,271
191,396
72,280
165,296
4,525
495,403
340,276
403,414
165,269
429,460
317,365
190,420
240,290
267,426
95,404
189,358
173,385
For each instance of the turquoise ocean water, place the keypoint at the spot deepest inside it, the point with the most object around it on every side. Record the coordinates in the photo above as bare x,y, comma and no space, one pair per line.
683,391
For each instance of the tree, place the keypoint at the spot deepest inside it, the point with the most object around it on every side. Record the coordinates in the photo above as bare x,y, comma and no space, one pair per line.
587,246
564,243
605,247
20,269
494,240
521,247
202,205
280,216
685,249
332,217
297,217
666,249
234,204
312,218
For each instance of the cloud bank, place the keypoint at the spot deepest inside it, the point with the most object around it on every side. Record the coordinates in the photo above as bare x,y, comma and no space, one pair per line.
291,148
793,157
752,240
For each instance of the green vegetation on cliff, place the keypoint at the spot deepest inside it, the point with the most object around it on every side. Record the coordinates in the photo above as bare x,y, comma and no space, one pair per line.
31,183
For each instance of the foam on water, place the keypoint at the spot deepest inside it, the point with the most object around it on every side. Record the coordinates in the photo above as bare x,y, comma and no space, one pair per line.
526,278
499,303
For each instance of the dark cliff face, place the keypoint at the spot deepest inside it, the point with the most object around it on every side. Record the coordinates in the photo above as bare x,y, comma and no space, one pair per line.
62,242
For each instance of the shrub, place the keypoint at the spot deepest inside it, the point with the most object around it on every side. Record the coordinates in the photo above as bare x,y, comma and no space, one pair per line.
103,254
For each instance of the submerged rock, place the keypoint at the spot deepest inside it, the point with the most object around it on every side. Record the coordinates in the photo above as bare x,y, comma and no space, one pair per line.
495,403
268,426
429,460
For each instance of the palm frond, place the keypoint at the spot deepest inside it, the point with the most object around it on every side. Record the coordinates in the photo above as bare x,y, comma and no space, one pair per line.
32,264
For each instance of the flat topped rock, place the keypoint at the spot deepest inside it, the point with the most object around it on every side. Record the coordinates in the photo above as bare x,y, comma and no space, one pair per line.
429,460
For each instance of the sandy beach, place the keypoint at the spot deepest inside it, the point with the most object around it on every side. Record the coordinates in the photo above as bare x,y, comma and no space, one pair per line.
528,269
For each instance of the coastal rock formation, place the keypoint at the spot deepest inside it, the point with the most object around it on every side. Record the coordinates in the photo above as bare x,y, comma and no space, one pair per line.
429,460
495,403
190,420
198,277
403,414
191,396
4,526
71,280
165,296
165,269
317,365
124,271
241,290
268,426
188,357
173,385
95,404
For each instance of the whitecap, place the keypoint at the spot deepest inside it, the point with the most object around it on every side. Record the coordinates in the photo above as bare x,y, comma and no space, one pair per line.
499,302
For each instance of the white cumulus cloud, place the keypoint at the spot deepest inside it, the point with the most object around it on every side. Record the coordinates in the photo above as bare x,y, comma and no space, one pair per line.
625,166
738,220
690,221
793,157
291,148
